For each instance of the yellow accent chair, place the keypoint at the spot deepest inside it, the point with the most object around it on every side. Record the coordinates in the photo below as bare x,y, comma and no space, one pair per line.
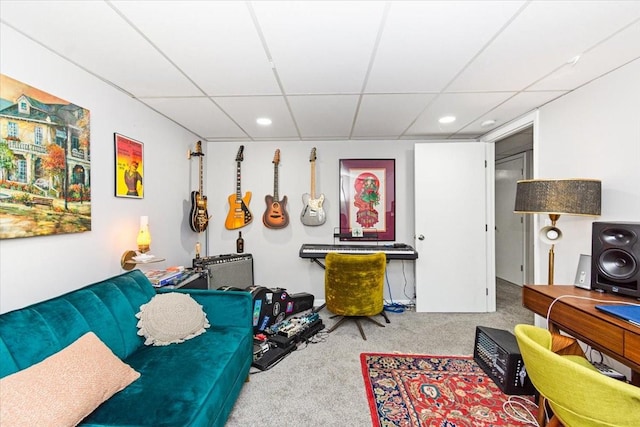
577,393
354,286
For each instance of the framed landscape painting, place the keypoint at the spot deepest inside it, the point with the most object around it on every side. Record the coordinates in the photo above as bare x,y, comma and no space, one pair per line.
367,199
45,163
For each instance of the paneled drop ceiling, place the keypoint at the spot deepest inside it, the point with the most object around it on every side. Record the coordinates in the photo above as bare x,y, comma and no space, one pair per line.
340,70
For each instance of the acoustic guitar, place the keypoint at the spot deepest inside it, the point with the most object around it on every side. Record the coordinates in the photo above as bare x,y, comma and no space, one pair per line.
199,217
239,214
275,216
312,212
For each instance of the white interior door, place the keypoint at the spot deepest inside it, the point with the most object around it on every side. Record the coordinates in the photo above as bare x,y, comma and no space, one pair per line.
509,226
451,227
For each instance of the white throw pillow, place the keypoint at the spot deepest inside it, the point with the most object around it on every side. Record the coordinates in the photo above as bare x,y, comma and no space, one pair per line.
65,387
171,318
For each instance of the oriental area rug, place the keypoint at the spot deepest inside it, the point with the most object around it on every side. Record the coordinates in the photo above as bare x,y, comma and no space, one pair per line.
444,391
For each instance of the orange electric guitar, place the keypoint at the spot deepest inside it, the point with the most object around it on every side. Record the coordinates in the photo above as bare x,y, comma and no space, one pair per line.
276,215
239,214
199,217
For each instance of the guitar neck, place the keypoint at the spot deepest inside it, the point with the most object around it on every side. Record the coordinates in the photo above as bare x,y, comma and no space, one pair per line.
238,191
275,181
313,179
200,159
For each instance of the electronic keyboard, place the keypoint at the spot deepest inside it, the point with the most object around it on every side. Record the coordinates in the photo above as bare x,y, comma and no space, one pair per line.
394,251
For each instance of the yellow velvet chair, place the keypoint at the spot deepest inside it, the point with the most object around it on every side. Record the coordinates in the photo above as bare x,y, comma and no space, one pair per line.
578,394
354,286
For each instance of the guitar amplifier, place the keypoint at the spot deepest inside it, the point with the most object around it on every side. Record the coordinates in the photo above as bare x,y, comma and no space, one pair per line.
234,270
496,352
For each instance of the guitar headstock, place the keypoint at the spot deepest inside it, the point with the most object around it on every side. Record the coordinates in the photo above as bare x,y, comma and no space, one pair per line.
239,156
197,153
312,157
276,157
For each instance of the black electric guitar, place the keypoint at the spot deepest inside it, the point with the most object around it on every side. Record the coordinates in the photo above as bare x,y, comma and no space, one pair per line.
313,212
199,217
276,215
239,214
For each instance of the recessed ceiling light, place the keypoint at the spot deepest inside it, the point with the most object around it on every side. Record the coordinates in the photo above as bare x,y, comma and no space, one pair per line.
263,121
447,119
486,123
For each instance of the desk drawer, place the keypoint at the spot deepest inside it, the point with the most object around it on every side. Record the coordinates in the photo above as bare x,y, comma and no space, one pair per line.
589,328
632,346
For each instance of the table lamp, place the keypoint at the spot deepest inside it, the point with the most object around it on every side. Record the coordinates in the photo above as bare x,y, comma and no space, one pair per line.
143,240
555,197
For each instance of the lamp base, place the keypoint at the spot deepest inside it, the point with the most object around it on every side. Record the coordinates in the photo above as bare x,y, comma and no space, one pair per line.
551,262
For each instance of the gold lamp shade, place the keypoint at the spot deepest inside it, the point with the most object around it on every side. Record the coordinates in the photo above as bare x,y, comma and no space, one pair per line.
559,196
555,197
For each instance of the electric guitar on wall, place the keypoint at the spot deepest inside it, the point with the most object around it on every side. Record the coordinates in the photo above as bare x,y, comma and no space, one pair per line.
313,212
199,217
276,215
239,214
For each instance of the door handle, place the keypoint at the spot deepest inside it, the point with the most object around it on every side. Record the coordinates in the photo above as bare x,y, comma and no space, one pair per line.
421,237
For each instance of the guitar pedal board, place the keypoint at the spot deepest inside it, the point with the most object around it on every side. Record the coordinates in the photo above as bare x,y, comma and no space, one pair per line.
281,339
609,371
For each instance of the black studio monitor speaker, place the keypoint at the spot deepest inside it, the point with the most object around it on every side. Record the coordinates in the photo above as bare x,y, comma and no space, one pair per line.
615,257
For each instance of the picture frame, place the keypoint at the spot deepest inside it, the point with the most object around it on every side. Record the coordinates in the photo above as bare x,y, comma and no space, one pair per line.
45,167
367,199
129,167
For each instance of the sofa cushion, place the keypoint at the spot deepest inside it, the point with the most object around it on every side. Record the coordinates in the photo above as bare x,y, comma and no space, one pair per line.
65,387
171,318
191,384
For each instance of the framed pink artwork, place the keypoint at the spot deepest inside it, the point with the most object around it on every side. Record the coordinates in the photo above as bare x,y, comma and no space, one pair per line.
367,199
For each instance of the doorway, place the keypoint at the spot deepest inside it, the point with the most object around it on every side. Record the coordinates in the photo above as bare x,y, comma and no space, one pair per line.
514,245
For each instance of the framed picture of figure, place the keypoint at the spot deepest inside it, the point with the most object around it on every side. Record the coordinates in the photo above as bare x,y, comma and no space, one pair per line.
367,199
129,167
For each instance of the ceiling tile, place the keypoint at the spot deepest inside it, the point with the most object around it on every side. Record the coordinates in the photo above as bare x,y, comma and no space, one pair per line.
387,115
422,48
200,115
619,49
324,116
246,109
414,60
220,34
320,47
92,35
466,107
545,35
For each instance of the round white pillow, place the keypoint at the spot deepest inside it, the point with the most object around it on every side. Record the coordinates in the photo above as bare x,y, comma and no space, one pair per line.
171,318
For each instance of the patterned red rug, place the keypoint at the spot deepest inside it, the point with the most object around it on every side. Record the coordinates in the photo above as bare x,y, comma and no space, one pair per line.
444,391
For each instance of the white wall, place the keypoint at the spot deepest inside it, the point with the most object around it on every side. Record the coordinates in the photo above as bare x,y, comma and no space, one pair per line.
36,268
275,252
593,132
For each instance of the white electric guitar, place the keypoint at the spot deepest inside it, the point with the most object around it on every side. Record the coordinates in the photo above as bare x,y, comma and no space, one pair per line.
312,212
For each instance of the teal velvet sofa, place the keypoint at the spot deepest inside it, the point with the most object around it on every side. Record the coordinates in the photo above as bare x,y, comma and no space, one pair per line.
194,383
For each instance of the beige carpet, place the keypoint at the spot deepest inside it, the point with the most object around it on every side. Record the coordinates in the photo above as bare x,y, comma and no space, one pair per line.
322,385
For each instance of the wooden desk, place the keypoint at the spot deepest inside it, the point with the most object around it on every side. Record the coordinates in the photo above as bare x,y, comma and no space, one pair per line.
579,318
